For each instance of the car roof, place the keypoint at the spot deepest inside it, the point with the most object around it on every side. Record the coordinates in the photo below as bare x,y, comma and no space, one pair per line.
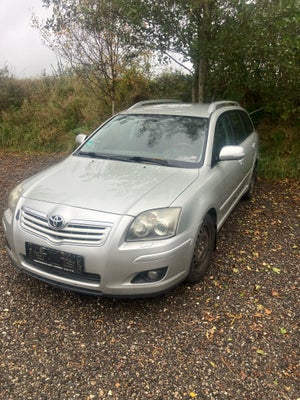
173,107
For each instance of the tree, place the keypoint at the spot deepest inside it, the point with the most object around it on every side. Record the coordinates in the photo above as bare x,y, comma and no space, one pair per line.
280,60
177,28
90,37
190,29
234,46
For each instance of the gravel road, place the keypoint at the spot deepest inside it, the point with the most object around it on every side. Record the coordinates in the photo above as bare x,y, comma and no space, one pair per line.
233,336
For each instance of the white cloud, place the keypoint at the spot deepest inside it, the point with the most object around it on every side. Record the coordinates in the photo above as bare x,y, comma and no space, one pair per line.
21,47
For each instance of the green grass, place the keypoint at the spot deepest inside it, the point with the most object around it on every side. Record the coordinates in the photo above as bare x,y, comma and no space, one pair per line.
279,147
279,151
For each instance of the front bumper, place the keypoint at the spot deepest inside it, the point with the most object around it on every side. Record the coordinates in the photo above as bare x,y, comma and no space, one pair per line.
109,268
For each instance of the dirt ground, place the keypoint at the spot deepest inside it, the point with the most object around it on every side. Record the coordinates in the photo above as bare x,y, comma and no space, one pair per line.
233,336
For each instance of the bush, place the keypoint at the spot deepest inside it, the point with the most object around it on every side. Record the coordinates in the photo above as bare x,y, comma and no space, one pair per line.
46,114
279,150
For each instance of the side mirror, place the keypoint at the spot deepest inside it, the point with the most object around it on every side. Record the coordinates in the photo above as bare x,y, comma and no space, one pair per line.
231,153
80,138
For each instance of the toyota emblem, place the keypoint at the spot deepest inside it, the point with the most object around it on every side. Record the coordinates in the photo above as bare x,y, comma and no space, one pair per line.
56,222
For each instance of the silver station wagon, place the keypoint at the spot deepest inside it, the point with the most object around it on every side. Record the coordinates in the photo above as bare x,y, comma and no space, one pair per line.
136,208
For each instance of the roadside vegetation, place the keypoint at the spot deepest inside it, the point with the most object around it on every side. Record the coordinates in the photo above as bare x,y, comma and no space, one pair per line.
45,114
113,54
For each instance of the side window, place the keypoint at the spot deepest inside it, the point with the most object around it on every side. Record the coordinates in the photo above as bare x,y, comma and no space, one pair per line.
223,136
237,126
248,125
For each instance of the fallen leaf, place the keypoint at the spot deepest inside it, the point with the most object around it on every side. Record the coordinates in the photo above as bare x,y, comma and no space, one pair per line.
277,270
275,293
210,332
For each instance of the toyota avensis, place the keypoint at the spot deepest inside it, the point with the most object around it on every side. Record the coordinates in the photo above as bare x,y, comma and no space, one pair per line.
136,208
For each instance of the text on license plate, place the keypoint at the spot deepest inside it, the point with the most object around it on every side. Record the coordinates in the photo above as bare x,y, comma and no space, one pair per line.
54,258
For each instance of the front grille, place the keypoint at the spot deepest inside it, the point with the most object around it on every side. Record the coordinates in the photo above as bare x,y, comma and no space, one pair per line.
74,232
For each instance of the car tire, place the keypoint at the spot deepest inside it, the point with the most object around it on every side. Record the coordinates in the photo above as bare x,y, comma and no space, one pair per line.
250,192
203,250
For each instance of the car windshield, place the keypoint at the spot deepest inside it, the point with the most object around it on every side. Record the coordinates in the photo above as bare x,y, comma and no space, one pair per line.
160,139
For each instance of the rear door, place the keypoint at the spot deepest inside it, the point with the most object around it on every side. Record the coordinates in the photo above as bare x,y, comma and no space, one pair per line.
245,136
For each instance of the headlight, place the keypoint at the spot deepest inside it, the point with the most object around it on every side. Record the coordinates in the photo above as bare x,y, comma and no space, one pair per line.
14,196
154,224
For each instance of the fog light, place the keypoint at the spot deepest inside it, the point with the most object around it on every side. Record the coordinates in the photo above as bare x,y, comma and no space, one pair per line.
151,276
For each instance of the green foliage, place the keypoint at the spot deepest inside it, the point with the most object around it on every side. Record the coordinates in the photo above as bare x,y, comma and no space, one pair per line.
243,50
46,114
93,39
279,150
172,85
11,94
49,110
237,49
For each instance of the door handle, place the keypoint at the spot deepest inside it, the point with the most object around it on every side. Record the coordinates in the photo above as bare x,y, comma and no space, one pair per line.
253,145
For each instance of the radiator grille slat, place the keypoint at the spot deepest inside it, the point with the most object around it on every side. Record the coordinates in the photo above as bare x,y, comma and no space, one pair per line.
75,231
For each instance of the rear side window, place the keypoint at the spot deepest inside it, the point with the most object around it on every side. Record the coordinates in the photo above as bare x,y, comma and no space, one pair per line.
241,125
248,125
237,126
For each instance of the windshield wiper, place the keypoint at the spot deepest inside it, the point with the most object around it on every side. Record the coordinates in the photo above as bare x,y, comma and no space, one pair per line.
136,159
149,160
91,154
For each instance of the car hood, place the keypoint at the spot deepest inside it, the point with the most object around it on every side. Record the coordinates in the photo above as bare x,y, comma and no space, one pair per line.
109,186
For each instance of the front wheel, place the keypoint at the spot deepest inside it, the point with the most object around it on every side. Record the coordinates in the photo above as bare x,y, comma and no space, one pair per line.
203,250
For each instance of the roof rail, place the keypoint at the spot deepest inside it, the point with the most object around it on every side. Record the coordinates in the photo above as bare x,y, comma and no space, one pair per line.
219,104
153,102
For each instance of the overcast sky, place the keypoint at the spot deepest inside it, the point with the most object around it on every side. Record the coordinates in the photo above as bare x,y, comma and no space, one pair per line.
21,47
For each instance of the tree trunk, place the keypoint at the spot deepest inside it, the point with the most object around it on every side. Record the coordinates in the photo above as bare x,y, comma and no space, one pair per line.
201,80
195,84
198,94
